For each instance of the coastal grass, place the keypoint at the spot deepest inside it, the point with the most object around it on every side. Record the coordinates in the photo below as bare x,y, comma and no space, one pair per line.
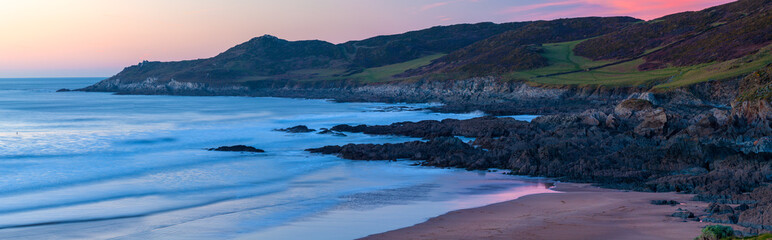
561,58
562,54
386,73
627,74
368,75
767,236
722,70
716,232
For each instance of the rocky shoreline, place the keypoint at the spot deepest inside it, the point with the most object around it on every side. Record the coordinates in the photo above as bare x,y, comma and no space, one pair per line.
644,143
636,147
706,139
489,94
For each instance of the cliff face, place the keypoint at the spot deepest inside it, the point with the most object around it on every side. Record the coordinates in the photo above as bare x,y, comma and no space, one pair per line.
153,86
752,109
487,94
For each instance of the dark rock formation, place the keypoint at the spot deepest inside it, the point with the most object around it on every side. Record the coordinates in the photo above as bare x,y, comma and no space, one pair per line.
722,155
297,129
665,202
63,90
331,132
441,147
478,127
683,214
237,148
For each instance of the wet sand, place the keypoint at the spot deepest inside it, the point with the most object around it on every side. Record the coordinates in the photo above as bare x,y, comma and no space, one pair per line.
575,211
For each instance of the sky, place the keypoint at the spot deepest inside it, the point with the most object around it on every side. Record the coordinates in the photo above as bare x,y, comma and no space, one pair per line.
98,38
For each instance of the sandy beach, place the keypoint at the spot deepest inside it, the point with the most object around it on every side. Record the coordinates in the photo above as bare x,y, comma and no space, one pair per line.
574,211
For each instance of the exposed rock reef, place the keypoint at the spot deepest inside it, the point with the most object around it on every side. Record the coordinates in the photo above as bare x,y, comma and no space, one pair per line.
646,143
297,129
237,148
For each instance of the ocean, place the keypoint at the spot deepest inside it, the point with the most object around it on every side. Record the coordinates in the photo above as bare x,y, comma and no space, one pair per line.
76,165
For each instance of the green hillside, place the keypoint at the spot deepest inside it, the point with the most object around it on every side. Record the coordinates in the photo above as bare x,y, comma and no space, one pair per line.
628,73
678,50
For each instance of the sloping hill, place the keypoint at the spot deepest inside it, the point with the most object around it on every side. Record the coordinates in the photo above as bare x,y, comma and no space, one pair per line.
718,43
271,58
669,52
391,49
715,34
520,49
261,56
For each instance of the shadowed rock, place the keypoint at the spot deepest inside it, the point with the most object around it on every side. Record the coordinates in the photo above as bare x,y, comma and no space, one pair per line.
297,129
330,132
664,202
237,148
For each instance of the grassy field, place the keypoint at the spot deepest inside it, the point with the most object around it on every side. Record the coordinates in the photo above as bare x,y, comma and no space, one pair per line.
369,75
627,74
385,73
561,58
722,70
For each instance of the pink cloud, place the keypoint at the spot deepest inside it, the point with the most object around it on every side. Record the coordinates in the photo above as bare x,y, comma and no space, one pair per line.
433,5
525,8
642,9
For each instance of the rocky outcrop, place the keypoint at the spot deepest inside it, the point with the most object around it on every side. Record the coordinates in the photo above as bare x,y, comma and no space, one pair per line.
237,148
154,86
446,147
477,127
684,214
296,129
665,202
488,94
637,145
331,132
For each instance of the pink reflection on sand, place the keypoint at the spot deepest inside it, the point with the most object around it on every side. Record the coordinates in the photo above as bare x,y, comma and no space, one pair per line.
503,196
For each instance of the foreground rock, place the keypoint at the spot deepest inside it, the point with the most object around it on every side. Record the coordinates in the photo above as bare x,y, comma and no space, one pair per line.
237,148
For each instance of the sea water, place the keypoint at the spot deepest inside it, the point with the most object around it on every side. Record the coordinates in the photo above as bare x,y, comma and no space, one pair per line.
76,165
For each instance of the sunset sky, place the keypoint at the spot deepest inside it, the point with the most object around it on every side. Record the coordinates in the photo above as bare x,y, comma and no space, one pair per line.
69,38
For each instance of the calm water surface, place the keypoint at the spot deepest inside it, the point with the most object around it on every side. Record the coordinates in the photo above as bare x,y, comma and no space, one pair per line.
79,165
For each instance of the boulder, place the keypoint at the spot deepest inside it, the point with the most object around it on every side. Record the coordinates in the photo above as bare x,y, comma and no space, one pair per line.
628,107
715,208
653,123
593,117
683,214
758,217
612,121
